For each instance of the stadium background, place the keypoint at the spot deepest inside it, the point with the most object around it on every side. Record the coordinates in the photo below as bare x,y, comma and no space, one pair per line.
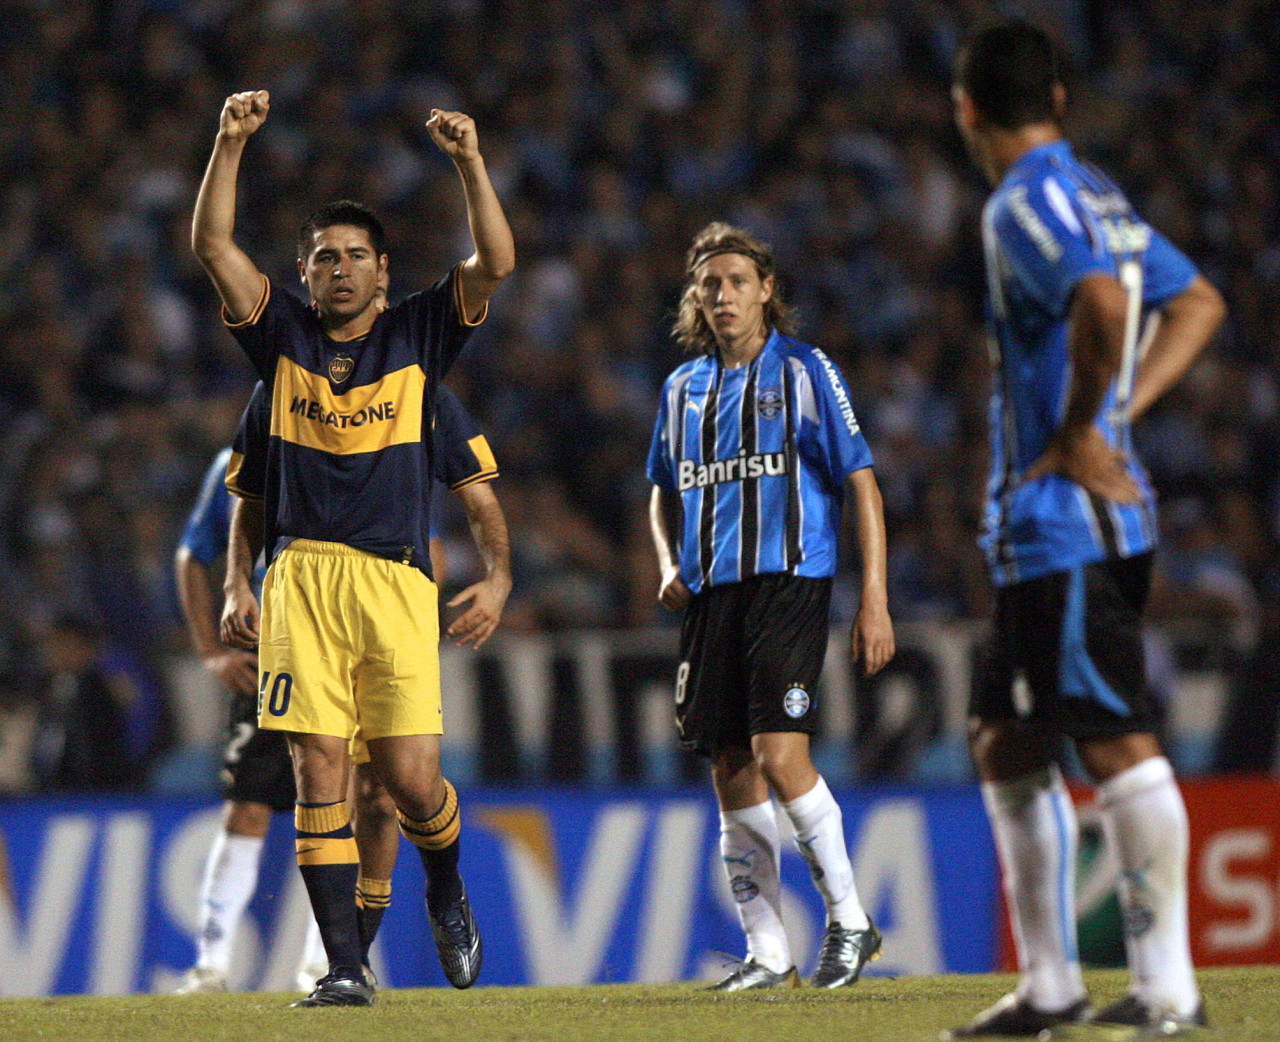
612,131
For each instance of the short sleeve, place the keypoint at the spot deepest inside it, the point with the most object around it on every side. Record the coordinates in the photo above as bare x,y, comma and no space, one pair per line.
659,467
206,532
437,325
836,433
1166,271
1044,236
246,472
273,323
462,453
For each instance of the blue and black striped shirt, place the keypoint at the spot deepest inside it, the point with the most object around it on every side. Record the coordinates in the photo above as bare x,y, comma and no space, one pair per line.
1052,222
759,456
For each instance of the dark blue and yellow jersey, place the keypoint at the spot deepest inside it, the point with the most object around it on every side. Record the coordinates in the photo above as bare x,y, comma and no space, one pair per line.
348,457
462,454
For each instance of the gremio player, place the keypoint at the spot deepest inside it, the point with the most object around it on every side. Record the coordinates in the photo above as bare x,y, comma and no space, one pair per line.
754,448
256,776
1094,316
349,615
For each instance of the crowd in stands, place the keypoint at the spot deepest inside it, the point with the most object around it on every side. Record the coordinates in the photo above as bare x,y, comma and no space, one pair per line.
612,132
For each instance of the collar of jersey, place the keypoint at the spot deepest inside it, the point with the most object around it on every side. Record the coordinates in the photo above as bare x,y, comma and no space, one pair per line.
1037,155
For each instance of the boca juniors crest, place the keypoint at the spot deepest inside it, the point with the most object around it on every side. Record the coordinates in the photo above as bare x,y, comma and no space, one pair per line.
340,367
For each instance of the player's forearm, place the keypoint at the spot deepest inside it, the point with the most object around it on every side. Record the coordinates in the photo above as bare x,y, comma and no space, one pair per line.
495,256
1096,344
192,579
873,542
493,541
244,543
1187,324
660,530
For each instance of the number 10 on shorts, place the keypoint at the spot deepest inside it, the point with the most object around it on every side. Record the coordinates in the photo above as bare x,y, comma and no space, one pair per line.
281,692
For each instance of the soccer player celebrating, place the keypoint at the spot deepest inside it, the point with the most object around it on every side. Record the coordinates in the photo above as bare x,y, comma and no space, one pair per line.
349,614
465,463
754,446
1094,316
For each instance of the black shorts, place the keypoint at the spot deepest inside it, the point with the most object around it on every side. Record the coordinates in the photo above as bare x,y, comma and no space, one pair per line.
1075,637
256,767
750,657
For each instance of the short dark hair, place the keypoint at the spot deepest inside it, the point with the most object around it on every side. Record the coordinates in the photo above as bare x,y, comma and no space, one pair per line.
1009,68
343,211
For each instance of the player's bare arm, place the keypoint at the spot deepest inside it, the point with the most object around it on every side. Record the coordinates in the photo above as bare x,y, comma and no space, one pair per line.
672,591
872,638
487,598
234,668
236,277
240,610
495,258
1187,324
1095,340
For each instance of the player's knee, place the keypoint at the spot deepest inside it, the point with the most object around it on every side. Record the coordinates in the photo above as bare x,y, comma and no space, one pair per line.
246,819
1104,758
783,765
1003,750
375,808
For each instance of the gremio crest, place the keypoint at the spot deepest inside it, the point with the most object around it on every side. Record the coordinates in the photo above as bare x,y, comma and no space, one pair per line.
340,367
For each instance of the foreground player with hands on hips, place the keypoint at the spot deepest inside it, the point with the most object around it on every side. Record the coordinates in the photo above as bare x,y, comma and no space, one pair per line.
754,447
350,620
1094,316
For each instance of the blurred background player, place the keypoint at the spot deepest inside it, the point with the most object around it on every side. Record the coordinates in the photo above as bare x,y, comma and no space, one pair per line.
754,447
466,465
1094,316
256,777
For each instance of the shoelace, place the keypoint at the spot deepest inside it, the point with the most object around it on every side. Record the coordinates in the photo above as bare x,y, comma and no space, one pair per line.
834,948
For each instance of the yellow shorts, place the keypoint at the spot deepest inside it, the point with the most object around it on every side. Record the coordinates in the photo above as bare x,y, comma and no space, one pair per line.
349,642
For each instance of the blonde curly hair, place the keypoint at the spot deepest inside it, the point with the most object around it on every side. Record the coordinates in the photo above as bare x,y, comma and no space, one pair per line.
691,330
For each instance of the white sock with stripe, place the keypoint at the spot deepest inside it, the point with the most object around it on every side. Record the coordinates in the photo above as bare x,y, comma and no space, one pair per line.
230,877
1145,821
1034,825
751,851
819,829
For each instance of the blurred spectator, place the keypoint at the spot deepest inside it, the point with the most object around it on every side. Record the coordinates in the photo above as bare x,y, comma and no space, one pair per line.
613,131
100,724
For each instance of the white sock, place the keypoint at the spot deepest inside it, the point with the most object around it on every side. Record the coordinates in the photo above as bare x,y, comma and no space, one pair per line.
230,877
750,849
1145,822
1034,826
819,829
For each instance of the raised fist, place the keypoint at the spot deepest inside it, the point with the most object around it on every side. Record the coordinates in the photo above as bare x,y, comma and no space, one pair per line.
454,134
243,113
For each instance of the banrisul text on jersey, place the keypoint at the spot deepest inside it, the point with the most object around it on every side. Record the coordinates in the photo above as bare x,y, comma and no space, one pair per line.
759,455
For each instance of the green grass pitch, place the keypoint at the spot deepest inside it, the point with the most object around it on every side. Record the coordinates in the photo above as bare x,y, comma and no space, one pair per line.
1243,1004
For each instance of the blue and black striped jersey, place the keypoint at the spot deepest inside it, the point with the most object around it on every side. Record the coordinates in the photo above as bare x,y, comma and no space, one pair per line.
759,456
1053,221
208,525
349,458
